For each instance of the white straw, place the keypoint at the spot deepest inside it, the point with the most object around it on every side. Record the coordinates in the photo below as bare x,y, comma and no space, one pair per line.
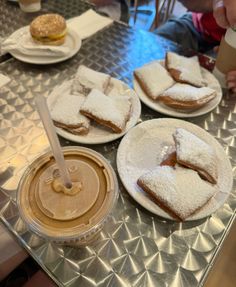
53,139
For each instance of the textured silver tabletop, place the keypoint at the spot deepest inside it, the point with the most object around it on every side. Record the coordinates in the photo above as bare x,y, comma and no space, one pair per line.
12,18
136,248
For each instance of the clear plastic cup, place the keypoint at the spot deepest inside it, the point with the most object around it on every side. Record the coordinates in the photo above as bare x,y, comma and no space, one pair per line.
226,57
66,218
30,5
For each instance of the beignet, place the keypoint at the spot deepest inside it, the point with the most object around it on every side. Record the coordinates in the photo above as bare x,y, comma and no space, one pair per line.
184,70
179,191
186,97
154,79
87,79
112,112
196,154
65,114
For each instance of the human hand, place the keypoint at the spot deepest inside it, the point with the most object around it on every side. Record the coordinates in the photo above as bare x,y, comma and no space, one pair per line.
230,77
225,13
231,80
216,49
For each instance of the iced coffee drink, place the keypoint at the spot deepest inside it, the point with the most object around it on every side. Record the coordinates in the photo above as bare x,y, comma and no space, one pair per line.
68,214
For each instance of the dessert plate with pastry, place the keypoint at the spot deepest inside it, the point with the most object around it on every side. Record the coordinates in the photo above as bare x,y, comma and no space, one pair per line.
46,41
93,107
170,177
177,86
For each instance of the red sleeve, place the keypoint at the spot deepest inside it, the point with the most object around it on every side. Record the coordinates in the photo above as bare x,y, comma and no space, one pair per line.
205,23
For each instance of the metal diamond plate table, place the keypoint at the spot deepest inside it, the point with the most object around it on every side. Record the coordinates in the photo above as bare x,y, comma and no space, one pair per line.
13,18
135,248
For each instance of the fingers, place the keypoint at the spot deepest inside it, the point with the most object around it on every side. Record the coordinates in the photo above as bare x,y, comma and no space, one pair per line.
216,49
231,81
230,6
225,13
217,3
220,16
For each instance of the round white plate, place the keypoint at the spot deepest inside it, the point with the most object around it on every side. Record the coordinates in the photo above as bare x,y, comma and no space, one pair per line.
97,134
145,146
72,44
161,108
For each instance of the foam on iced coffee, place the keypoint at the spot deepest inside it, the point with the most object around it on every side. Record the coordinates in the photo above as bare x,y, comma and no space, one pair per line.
68,204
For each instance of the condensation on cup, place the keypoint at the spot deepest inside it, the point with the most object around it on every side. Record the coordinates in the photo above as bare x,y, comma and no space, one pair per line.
30,5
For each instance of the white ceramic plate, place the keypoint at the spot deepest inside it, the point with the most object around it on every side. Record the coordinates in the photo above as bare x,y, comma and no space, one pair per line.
161,108
72,44
145,146
97,134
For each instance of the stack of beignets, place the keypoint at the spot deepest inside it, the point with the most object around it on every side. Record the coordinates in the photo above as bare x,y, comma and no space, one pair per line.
186,180
178,83
88,101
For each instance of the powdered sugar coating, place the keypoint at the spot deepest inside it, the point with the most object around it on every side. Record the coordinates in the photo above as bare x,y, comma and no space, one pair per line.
110,109
194,151
185,92
66,110
180,189
189,68
160,107
154,78
145,146
87,79
97,134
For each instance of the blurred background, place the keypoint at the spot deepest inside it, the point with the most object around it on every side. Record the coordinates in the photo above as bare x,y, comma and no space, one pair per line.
143,12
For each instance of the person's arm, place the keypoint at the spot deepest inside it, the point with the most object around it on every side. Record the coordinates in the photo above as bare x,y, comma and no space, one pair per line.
198,5
225,13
